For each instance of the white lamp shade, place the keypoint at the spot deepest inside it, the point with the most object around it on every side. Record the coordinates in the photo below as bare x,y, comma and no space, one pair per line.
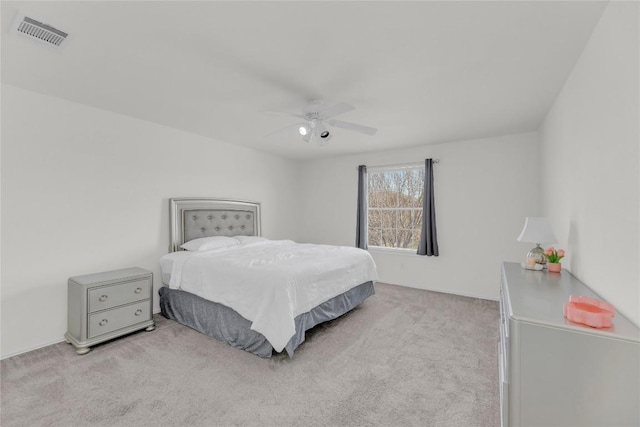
537,230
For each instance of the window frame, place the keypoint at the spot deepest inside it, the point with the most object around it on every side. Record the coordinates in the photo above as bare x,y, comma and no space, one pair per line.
394,168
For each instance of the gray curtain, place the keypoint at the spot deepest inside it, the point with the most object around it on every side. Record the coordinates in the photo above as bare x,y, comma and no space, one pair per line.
428,237
361,221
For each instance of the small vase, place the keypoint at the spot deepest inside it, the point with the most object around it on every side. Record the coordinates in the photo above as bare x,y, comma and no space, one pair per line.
554,267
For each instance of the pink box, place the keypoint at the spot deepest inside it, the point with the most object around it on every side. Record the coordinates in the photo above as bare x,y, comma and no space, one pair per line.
589,311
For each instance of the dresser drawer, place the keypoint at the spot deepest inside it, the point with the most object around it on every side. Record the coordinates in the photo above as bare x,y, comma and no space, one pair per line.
117,318
503,355
504,316
106,297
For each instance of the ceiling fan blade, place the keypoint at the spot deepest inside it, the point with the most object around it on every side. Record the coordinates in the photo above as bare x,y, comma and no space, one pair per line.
284,113
337,109
352,126
284,130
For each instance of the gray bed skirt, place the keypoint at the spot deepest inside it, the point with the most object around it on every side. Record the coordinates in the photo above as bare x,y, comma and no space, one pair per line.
225,324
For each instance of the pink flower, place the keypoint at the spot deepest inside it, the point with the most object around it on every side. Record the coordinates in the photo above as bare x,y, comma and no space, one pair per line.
552,255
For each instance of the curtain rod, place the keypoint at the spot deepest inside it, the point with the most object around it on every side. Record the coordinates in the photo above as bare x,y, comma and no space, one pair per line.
401,165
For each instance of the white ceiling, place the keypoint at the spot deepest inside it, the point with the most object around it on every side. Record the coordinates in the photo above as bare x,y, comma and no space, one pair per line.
421,72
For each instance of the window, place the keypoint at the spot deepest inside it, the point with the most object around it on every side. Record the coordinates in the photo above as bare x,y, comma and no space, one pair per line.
394,207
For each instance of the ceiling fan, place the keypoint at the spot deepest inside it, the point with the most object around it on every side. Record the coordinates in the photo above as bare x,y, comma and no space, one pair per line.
317,117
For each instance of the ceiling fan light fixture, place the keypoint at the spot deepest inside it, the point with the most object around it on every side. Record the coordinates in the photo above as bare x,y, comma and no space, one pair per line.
304,130
323,132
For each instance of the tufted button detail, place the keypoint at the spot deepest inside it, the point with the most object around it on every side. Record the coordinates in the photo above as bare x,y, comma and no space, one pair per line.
217,228
224,217
230,227
202,229
194,217
237,216
210,217
248,216
242,227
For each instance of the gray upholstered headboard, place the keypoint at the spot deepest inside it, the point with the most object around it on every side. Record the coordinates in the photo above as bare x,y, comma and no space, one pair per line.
192,218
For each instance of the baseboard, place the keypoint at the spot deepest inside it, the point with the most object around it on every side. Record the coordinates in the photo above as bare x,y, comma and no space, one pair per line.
37,347
447,291
27,350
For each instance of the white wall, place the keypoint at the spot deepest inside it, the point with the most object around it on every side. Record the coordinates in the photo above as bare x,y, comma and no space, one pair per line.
484,189
86,190
589,162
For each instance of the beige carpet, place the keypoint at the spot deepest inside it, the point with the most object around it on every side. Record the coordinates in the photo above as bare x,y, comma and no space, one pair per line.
405,357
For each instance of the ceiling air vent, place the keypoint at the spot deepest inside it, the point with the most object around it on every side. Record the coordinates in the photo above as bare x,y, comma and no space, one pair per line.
38,31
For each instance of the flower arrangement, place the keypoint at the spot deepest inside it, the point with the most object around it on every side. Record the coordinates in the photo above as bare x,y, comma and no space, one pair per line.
553,255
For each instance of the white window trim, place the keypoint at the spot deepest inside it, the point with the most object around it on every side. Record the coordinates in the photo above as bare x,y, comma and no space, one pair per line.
378,169
393,251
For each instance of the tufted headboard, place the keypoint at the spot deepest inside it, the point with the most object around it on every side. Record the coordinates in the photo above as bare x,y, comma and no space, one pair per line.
192,218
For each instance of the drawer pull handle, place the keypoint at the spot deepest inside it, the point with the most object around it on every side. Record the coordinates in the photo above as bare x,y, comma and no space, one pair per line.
103,322
103,298
138,290
138,312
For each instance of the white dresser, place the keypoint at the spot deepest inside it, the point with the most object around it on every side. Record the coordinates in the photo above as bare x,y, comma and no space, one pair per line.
557,373
106,305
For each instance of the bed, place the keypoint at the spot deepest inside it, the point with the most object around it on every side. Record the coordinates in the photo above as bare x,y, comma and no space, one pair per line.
256,294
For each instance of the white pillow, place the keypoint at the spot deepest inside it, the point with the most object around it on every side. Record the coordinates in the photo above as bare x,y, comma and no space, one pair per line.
249,239
209,243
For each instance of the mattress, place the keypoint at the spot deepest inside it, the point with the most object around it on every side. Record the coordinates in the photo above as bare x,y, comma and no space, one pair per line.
270,283
166,264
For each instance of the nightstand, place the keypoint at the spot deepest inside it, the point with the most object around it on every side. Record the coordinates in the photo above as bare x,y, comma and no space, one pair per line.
107,305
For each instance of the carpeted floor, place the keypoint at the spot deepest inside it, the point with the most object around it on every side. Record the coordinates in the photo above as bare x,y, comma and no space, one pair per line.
405,357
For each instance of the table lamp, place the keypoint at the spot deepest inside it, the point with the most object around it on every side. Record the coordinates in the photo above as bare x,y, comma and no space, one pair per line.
537,230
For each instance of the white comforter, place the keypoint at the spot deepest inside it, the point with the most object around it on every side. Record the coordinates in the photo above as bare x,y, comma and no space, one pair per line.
271,282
